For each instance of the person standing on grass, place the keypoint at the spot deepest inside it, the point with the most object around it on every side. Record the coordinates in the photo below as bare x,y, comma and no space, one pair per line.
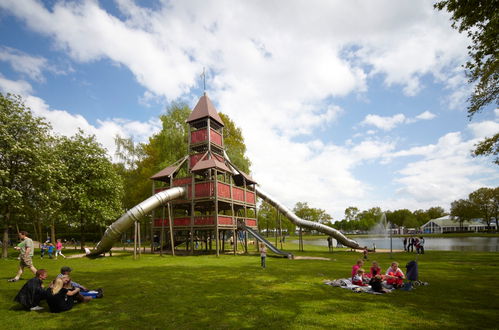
58,249
26,249
405,243
32,292
263,254
421,245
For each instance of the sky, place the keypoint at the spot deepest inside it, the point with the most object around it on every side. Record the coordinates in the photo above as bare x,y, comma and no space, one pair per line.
341,103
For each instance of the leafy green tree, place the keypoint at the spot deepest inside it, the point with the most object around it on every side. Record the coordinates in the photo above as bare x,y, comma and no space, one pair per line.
483,200
234,144
94,190
351,213
479,19
305,212
402,217
495,206
22,169
463,210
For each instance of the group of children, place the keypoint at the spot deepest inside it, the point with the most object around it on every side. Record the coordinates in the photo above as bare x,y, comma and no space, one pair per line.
60,295
49,247
379,282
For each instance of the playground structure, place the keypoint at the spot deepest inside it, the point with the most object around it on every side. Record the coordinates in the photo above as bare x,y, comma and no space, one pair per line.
205,197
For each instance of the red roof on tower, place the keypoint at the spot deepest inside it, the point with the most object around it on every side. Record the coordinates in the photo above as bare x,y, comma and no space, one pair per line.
204,109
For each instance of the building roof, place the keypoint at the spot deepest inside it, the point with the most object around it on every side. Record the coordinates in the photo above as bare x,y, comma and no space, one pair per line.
238,178
210,163
167,172
447,221
203,109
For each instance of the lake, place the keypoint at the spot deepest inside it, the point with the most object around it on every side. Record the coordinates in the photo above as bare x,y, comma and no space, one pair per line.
480,244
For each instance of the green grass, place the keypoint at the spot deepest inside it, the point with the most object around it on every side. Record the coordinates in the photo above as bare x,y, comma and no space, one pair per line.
234,292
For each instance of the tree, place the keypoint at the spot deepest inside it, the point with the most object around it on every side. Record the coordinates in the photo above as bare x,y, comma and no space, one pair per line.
495,206
234,144
463,210
351,213
94,190
305,212
22,144
483,200
480,20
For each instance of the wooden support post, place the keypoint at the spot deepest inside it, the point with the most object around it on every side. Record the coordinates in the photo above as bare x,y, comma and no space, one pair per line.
170,221
162,234
139,236
301,240
135,240
280,227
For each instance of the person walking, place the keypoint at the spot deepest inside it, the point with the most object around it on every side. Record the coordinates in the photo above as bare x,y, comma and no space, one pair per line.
263,255
26,250
58,249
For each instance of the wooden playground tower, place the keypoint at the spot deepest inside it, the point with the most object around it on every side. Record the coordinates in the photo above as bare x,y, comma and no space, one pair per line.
219,198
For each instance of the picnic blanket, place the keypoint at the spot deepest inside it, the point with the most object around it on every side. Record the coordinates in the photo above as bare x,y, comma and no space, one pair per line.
346,283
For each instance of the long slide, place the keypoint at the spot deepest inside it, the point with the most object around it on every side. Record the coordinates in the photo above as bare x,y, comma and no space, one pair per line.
307,224
117,228
265,241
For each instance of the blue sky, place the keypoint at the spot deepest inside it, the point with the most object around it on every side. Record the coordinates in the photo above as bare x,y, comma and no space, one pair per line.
341,103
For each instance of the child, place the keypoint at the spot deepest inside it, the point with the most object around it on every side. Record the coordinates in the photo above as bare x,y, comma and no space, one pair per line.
43,248
394,276
365,252
50,250
84,294
356,267
359,278
263,254
375,269
58,251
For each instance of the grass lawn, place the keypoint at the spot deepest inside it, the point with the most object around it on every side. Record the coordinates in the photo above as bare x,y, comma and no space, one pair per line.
234,292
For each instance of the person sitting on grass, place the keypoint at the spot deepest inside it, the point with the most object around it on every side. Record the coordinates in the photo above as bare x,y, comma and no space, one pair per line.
359,278
394,276
32,292
375,270
59,297
84,294
356,267
376,284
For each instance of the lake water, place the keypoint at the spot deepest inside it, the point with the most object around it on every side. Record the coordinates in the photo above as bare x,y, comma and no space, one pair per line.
481,244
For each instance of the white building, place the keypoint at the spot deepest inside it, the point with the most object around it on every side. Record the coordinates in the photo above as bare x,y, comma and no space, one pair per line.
446,224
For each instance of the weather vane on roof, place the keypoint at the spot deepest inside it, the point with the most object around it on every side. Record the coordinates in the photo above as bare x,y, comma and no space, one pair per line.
203,75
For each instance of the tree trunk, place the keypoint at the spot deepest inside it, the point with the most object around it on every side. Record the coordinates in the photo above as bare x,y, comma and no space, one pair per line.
52,232
82,238
5,241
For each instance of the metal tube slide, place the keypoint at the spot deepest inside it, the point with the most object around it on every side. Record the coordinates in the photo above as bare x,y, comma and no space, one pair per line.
305,223
117,228
266,242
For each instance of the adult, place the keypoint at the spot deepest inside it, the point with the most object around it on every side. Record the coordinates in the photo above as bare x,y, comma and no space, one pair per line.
32,292
394,276
410,246
421,245
330,243
59,297
405,243
26,249
416,244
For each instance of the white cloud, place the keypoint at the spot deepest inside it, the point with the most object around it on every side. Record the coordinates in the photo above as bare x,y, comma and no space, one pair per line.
384,123
427,115
20,87
21,62
484,129
65,123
